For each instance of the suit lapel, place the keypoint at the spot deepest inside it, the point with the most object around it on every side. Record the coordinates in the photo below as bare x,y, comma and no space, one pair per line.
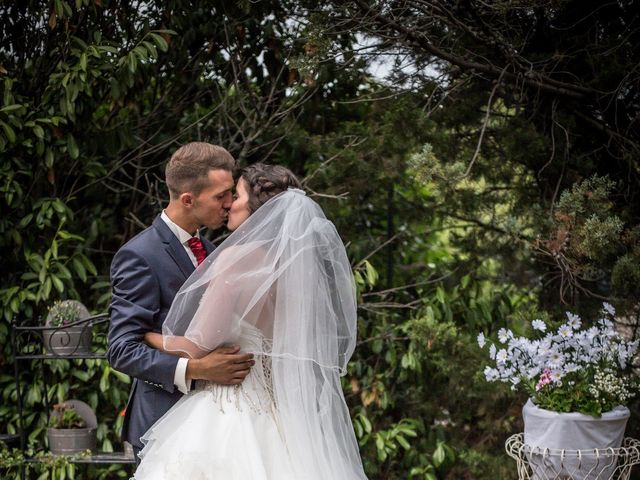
173,247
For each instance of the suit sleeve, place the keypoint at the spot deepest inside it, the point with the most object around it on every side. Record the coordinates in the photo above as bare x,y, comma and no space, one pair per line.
134,306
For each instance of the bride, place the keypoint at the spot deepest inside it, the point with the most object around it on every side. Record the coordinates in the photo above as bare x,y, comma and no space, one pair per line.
281,287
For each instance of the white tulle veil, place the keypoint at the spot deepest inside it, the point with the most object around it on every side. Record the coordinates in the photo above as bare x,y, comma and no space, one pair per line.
285,272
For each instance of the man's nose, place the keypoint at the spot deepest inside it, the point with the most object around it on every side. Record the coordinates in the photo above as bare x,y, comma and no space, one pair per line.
228,200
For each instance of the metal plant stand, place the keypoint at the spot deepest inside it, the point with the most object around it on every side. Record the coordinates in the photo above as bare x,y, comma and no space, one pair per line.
535,463
30,344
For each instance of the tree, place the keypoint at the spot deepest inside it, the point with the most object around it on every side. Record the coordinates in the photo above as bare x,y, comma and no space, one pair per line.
560,77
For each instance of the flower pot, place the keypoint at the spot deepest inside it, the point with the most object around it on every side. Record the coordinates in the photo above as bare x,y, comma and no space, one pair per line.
73,340
69,441
544,429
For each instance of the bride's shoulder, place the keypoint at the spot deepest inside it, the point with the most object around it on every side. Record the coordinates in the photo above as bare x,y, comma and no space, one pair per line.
249,253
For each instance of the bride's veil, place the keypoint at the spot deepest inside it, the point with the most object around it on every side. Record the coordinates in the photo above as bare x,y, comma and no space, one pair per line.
284,272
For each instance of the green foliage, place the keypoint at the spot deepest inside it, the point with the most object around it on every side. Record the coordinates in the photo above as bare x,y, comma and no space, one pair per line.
441,228
66,417
589,244
63,313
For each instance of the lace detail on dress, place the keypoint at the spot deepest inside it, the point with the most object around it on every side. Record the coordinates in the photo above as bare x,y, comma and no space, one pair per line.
256,395
256,391
267,372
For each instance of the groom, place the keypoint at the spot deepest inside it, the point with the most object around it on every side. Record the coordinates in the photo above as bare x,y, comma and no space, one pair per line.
146,274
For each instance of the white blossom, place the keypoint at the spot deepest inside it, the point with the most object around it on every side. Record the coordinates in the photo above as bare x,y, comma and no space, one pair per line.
556,359
502,356
565,331
491,374
609,309
563,356
556,376
502,335
574,321
571,367
539,325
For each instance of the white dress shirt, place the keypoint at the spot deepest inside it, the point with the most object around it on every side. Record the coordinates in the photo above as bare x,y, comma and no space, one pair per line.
180,375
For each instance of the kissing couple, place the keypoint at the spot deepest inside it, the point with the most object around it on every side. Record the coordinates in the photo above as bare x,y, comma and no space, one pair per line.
236,352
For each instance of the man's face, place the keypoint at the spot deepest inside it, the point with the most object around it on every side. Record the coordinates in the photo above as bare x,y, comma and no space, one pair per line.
211,205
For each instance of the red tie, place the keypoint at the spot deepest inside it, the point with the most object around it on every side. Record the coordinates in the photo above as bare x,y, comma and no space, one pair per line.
197,247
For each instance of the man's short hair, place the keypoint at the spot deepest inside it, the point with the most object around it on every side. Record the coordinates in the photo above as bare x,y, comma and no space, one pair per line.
188,168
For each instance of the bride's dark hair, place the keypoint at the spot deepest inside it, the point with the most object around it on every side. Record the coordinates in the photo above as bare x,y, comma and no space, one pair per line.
266,181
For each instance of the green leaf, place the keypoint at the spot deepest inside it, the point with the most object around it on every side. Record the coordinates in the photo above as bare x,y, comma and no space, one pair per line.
159,41
132,61
371,272
57,283
79,268
141,52
104,380
440,295
10,108
439,455
403,442
72,146
46,288
124,378
81,375
59,8
8,131
366,423
151,48
83,62
25,220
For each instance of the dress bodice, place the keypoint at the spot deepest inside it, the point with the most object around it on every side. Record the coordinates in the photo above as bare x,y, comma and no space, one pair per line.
256,390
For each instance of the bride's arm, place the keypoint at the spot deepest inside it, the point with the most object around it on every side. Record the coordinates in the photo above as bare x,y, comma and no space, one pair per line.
223,304
182,345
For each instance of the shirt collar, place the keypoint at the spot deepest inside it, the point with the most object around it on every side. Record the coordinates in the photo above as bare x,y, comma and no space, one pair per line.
177,230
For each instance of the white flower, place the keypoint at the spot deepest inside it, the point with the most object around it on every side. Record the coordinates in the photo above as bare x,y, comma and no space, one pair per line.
608,308
565,331
571,367
556,376
502,356
556,359
492,351
607,325
539,325
503,335
592,333
533,372
574,321
481,340
622,355
491,374
544,347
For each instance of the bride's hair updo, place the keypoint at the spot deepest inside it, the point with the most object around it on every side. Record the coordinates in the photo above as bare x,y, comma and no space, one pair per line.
266,181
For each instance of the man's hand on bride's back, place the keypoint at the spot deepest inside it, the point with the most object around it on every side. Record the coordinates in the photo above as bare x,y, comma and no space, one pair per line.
225,365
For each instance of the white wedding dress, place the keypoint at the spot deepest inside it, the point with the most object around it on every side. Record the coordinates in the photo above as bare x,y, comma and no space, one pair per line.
221,432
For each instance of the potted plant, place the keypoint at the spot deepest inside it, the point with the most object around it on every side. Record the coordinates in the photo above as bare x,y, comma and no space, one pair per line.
577,381
72,428
63,335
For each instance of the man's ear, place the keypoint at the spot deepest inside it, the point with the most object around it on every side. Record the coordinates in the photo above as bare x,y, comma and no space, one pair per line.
186,199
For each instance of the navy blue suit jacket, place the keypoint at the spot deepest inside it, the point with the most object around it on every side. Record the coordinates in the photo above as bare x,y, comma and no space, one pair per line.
146,274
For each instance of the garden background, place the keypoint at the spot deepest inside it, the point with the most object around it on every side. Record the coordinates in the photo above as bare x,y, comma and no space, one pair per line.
481,160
